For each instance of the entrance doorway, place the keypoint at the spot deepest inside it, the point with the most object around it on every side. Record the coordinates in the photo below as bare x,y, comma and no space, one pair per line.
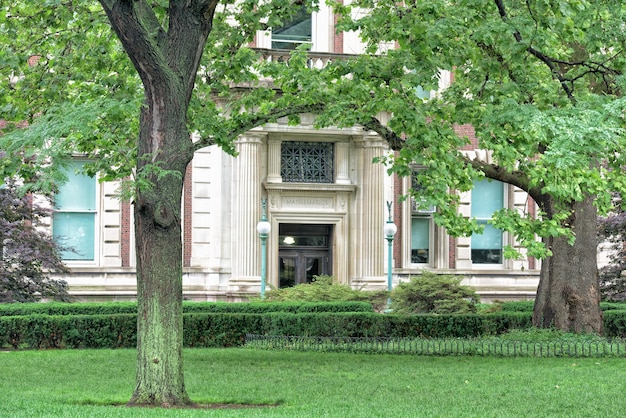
303,252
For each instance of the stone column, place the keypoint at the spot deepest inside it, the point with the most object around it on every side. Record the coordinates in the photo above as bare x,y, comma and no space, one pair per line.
249,170
371,249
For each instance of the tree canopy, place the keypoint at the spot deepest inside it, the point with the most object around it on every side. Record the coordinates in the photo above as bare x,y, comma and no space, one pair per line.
540,83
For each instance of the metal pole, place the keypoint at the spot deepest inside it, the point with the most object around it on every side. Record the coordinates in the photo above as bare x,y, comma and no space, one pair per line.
389,231
263,228
389,266
263,263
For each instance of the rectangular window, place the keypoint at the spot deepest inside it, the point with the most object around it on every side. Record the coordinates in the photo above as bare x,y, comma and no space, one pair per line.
307,162
295,32
421,217
74,219
487,197
420,239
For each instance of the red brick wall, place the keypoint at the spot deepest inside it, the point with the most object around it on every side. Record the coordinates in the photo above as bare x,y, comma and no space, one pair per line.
397,218
338,39
187,198
125,234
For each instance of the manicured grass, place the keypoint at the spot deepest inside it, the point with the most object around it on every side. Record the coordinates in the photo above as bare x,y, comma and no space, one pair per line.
89,383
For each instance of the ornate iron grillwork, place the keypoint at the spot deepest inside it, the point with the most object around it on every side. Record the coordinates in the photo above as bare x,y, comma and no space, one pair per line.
307,162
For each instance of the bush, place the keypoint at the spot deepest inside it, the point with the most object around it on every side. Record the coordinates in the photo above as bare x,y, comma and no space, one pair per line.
28,255
230,329
433,293
324,289
110,308
518,306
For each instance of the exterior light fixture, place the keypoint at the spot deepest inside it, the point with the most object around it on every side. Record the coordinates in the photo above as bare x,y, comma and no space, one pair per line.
263,228
389,230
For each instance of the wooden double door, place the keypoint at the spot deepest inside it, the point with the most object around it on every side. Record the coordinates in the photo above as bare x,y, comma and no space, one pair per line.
303,252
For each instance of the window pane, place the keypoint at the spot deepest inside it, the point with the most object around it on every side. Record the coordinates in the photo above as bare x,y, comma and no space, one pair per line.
293,33
76,231
78,193
310,162
487,197
491,238
487,247
420,239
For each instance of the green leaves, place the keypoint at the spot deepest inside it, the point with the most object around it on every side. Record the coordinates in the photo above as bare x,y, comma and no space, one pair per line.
539,82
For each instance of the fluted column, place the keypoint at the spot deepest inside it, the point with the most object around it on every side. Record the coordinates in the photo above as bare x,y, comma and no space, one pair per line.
249,170
371,250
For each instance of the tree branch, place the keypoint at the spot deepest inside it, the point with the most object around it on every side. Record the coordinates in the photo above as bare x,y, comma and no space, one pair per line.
395,141
515,178
548,61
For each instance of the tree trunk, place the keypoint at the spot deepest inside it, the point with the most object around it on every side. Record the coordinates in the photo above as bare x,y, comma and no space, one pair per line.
568,297
163,137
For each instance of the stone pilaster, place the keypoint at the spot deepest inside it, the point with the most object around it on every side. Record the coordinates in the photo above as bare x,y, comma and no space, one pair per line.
343,162
372,247
273,158
248,173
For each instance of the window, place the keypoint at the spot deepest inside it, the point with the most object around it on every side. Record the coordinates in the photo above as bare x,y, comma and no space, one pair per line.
487,197
74,219
294,32
307,162
421,218
420,239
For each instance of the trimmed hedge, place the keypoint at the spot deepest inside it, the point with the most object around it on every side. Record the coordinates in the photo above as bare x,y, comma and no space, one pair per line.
528,306
230,329
112,308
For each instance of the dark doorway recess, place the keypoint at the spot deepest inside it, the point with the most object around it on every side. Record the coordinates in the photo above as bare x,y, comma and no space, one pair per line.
303,252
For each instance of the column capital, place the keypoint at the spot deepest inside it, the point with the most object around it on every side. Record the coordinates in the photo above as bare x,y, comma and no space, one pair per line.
251,137
368,141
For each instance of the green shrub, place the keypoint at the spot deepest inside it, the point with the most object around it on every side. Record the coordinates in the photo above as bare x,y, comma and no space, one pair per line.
325,289
433,293
111,308
518,306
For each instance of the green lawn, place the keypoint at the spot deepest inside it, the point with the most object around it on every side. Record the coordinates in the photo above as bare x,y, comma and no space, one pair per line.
88,383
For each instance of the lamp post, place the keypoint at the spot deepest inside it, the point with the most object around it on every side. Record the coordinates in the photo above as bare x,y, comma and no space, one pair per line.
389,230
263,228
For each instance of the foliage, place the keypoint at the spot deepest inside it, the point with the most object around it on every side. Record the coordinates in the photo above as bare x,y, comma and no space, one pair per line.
518,306
433,293
539,84
612,229
111,308
28,255
325,288
38,331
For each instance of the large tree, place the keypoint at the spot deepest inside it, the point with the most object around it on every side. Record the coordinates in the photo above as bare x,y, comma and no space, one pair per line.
69,86
541,85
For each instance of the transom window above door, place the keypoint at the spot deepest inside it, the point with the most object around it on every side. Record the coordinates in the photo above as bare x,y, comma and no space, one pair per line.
307,162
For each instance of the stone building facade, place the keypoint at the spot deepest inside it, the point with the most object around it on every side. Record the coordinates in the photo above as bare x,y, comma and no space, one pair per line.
325,201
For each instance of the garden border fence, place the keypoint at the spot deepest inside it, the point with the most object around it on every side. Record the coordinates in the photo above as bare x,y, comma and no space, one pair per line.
488,346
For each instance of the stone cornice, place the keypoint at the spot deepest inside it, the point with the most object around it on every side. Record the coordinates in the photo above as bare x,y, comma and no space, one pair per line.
309,187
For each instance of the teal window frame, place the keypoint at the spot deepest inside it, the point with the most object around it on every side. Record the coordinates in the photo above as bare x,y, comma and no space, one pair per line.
74,218
487,197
